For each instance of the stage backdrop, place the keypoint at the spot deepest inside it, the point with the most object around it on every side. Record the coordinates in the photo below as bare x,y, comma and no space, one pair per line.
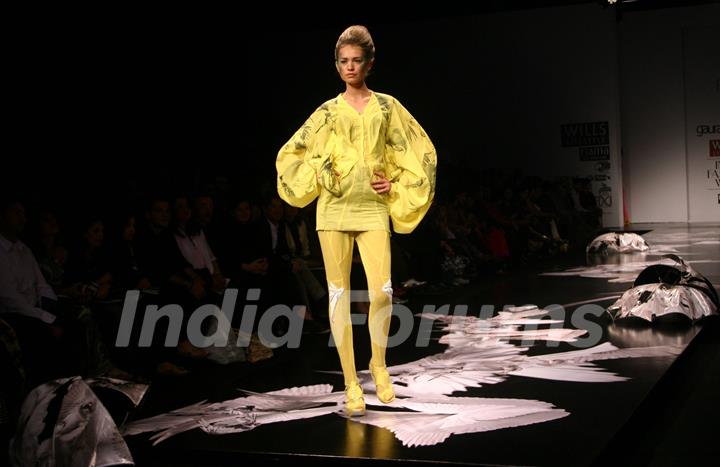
539,92
702,124
669,63
556,92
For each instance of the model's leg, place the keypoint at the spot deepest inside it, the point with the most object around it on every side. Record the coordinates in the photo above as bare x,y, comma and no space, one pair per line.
337,250
375,253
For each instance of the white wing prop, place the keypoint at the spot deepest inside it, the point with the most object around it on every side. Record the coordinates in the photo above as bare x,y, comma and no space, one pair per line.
478,354
435,419
241,414
423,414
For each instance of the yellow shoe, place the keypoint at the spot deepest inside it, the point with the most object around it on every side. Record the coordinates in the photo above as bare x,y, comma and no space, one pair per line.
383,386
354,401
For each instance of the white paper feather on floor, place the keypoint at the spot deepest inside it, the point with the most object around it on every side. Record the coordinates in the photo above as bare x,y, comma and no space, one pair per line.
479,352
577,366
243,413
428,419
434,419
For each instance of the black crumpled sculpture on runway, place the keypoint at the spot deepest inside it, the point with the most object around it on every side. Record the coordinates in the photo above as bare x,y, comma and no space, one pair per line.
662,290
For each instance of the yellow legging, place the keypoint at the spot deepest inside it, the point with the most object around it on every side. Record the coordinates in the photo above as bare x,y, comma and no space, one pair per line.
337,251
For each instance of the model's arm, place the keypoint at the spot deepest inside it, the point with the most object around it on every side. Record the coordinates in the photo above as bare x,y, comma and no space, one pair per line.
412,161
300,158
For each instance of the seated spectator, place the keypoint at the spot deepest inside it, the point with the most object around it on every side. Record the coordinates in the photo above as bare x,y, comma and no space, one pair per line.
123,261
54,340
160,260
311,290
87,273
159,257
237,244
48,247
22,285
203,211
194,247
296,232
266,262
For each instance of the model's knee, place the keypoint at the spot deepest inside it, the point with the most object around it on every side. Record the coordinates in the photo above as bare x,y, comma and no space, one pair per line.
383,293
387,289
335,294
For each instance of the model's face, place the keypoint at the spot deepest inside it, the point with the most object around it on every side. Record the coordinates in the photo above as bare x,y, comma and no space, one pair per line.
352,64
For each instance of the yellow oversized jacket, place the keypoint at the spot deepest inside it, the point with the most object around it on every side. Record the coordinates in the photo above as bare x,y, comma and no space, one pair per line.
334,154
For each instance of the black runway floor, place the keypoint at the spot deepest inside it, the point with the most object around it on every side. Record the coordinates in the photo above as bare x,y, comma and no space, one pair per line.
663,414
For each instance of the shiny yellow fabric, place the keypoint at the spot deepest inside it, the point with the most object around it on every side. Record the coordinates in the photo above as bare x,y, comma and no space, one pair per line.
334,154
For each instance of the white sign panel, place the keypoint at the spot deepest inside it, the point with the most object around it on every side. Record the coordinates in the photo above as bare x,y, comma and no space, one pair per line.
702,103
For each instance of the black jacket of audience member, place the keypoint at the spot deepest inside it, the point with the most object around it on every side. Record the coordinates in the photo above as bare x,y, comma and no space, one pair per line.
280,256
158,256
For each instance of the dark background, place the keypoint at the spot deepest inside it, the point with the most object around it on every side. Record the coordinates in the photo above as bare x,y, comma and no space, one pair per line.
105,103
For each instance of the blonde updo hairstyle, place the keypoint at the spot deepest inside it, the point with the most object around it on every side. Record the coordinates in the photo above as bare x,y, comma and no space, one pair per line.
359,36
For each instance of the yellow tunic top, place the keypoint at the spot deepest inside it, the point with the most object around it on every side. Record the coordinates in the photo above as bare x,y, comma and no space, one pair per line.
337,139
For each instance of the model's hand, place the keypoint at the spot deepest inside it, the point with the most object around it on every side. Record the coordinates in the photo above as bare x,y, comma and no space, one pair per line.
380,184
